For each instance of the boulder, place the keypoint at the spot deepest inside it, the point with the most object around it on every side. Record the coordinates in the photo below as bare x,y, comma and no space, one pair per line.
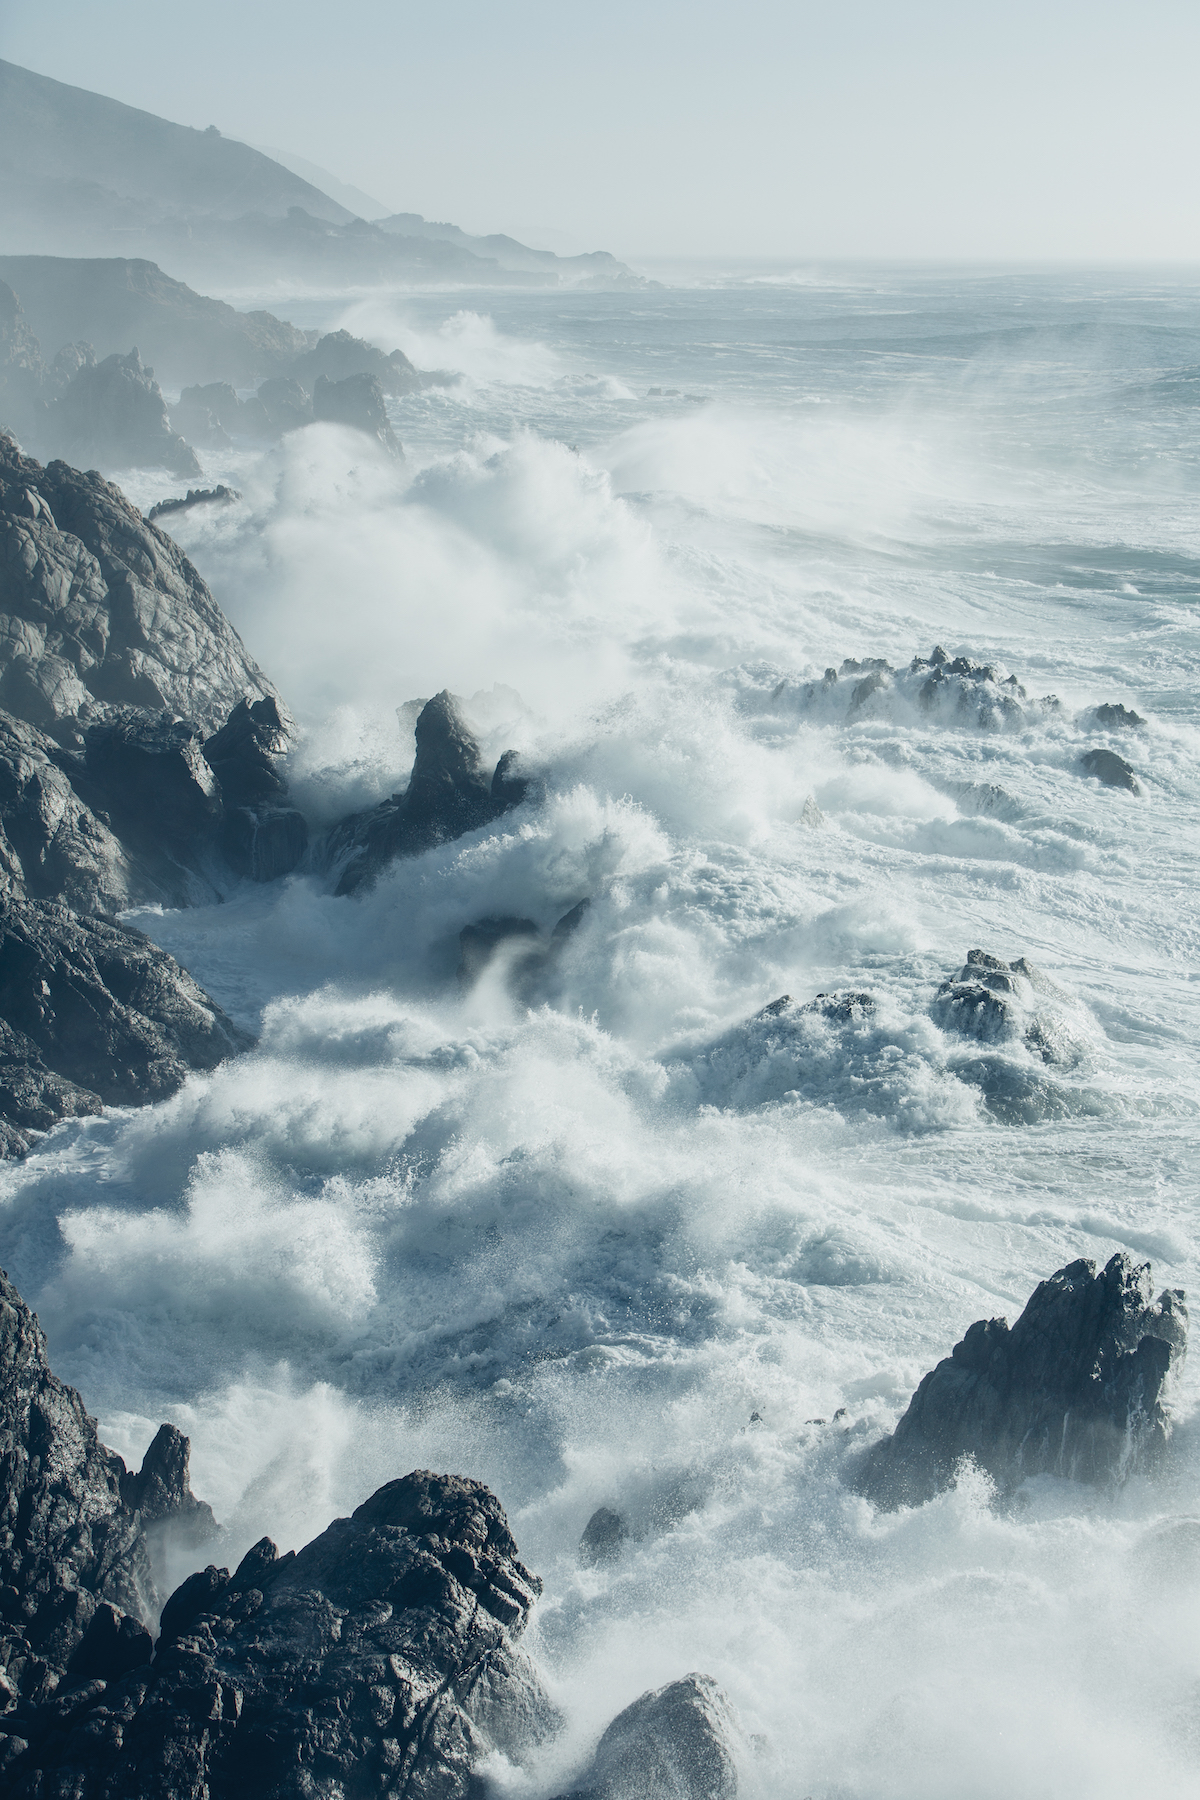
675,1743
1074,1389
113,414
356,401
1111,769
1112,717
94,1012
382,1658
449,792
603,1537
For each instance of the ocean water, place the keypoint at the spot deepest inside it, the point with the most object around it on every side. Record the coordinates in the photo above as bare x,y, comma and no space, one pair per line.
598,1230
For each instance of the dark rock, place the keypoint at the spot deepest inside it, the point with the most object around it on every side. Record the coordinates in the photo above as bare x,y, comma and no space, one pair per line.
1074,1389
339,354
193,497
603,1536
84,577
113,413
478,944
381,1659
1117,718
995,1002
676,1743
261,837
161,1490
356,401
67,1540
449,793
112,1645
285,405
1111,769
570,922
156,782
52,846
102,1009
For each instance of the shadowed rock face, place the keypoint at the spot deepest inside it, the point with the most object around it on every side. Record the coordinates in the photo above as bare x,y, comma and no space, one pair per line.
94,1012
339,354
357,401
1110,769
1074,1389
673,1744
114,413
450,792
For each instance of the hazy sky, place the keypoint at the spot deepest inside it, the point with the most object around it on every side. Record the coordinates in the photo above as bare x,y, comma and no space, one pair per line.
929,128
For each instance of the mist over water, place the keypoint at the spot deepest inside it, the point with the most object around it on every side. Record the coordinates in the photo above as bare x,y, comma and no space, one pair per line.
596,1231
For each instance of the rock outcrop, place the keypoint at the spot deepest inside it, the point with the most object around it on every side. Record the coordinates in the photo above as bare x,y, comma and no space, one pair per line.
113,413
1110,769
357,401
92,594
219,495
339,354
449,792
996,1003
75,1566
676,1743
93,1013
1074,1389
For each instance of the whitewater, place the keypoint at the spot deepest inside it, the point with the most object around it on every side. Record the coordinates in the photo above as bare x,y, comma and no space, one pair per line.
599,1230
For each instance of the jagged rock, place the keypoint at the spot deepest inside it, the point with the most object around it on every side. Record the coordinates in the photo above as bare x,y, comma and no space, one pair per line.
261,838
675,1743
996,1002
382,1658
285,404
356,401
157,784
52,846
193,497
101,1009
161,1489
1074,1389
953,692
448,793
1111,769
339,354
116,601
113,413
603,1536
67,1540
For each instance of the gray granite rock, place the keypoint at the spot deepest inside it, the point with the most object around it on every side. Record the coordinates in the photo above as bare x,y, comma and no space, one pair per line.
676,1743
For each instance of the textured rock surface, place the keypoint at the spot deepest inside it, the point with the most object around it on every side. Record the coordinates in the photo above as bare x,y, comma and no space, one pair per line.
356,401
339,354
71,1537
1111,769
676,1743
450,792
194,497
110,599
1074,1389
381,1659
99,1008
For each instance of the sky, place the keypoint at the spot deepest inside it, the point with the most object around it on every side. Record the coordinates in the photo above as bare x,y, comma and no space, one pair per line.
928,129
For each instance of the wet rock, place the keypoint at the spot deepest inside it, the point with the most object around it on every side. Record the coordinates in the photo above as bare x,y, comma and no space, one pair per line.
1074,1389
112,1645
356,401
449,792
285,405
995,1002
676,1743
603,1537
52,846
84,578
194,497
156,783
1111,769
102,1010
161,1490
261,838
1117,718
339,354
112,414
383,1658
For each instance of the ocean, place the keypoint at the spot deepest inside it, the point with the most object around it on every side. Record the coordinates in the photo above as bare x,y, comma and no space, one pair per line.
598,1230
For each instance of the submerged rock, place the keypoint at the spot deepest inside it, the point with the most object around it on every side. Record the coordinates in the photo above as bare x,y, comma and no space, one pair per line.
1073,1389
1111,769
449,792
1117,718
675,1743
